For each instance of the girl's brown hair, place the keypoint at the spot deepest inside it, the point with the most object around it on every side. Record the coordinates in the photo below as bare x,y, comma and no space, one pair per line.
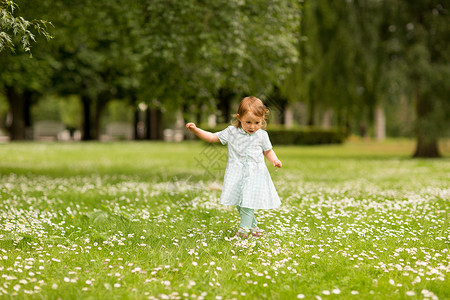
253,105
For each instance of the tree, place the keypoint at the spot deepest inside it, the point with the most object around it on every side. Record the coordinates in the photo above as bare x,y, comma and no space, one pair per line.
167,53
428,55
217,49
325,74
97,50
258,51
356,56
17,28
418,36
22,78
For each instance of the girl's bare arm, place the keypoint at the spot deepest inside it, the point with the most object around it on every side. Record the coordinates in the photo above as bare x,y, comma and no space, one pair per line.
204,135
272,157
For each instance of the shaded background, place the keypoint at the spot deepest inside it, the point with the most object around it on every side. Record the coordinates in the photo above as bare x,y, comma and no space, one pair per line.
133,69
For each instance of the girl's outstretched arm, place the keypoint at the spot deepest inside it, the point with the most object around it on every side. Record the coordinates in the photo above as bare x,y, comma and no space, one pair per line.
204,135
272,157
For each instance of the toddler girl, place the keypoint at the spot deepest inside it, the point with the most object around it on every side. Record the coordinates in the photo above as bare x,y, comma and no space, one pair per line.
247,183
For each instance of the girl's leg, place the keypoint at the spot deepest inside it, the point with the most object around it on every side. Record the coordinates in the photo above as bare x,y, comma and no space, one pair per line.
254,222
247,217
248,225
254,230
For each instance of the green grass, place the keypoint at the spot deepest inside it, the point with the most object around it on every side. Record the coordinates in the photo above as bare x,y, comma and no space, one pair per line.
142,221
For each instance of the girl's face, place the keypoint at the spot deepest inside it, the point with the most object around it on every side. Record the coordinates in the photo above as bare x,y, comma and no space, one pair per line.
250,122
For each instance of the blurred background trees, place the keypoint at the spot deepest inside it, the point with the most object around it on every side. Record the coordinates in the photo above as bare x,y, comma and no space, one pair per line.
372,67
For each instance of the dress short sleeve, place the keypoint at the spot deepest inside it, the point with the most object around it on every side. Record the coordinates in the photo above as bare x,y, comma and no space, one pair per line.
266,144
224,135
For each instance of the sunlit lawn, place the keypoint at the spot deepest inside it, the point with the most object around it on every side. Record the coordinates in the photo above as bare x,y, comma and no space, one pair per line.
142,221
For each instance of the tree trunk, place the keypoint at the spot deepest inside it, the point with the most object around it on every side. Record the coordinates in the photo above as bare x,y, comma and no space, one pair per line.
87,135
99,108
426,147
92,113
327,118
225,96
380,123
28,97
288,116
136,123
427,142
427,139
278,106
20,109
154,124
311,113
198,115
363,129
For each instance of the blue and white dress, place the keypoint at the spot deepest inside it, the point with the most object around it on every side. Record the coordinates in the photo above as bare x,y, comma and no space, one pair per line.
247,181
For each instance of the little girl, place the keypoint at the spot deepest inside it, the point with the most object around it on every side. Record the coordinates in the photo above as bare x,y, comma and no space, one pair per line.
247,183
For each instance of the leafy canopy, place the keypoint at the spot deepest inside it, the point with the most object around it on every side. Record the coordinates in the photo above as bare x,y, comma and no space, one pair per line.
17,30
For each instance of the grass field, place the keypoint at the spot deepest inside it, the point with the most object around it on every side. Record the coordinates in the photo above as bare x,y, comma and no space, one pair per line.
142,221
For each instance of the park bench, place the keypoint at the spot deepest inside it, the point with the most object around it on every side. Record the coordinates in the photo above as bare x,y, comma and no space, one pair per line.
173,135
118,131
3,137
48,130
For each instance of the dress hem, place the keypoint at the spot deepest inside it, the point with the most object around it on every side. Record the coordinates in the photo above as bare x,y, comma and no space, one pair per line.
264,208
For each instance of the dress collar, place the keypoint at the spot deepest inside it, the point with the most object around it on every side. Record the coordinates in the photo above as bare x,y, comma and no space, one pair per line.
242,131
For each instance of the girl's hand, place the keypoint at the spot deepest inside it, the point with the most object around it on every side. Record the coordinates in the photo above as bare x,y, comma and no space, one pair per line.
277,163
204,135
191,127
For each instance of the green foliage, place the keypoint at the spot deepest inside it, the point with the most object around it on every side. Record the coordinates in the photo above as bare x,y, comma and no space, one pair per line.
355,55
25,73
47,109
4,107
118,111
51,107
20,71
347,55
18,28
201,46
71,111
95,48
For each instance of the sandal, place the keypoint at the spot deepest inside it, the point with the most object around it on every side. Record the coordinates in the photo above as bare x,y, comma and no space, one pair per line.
255,231
243,233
